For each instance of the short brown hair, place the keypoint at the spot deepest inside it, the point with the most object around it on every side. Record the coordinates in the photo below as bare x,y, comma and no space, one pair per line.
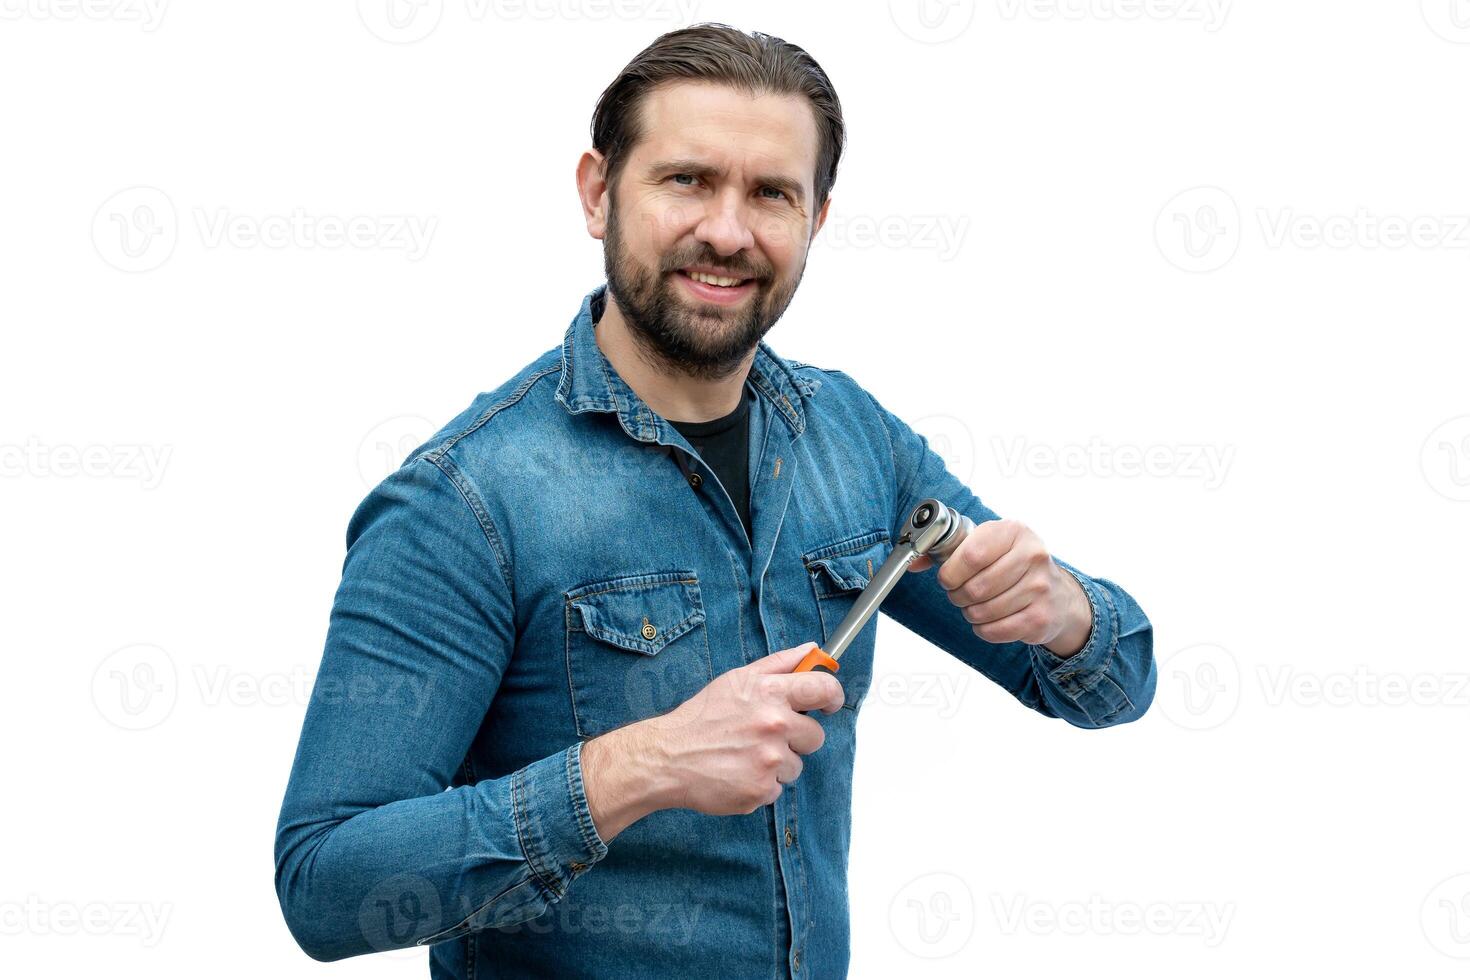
755,62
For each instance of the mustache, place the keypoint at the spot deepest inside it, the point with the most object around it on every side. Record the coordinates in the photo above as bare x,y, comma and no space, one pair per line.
741,269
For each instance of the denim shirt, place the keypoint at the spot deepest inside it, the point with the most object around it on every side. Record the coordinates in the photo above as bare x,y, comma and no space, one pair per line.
557,561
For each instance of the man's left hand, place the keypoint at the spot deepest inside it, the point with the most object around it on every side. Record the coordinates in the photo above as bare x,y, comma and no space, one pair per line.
1008,588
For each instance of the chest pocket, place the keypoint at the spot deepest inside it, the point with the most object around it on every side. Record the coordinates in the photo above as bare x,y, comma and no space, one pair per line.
839,572
636,647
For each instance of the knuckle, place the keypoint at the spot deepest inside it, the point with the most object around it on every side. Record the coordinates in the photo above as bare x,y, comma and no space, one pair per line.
990,633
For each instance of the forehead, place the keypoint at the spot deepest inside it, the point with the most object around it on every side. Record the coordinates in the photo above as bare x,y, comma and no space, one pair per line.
729,127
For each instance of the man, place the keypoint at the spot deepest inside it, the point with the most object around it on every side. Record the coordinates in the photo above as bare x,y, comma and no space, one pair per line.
563,606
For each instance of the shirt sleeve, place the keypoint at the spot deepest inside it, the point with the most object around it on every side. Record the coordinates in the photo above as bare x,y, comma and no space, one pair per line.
373,851
1109,681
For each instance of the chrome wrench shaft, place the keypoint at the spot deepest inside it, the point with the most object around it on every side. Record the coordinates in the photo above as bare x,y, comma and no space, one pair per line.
933,529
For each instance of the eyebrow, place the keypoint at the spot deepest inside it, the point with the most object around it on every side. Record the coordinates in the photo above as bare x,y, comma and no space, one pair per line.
699,168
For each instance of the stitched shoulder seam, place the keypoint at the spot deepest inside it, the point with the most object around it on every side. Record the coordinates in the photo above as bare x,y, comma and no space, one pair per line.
446,465
489,413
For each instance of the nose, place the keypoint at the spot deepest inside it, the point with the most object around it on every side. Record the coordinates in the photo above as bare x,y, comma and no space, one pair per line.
725,226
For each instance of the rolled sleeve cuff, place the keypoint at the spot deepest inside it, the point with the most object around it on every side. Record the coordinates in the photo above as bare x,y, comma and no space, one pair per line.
552,819
1083,677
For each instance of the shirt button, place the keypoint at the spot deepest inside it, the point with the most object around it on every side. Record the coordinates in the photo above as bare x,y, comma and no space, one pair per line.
695,480
790,837
796,960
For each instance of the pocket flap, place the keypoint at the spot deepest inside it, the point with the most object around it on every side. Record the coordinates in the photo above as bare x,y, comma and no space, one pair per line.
849,565
641,613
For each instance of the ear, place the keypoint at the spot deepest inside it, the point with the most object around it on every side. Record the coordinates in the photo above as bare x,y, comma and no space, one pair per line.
821,217
592,191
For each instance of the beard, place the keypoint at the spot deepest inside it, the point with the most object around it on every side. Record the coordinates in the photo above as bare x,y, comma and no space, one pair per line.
677,334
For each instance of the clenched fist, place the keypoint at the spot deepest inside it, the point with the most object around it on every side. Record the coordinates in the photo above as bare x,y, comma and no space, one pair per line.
1008,588
732,748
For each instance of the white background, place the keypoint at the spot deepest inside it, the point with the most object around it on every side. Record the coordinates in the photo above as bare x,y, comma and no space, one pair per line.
1226,239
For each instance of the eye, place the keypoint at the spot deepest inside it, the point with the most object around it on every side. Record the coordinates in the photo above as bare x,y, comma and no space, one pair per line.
780,194
692,179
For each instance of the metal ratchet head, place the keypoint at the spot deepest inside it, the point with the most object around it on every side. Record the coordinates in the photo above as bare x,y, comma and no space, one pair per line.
932,529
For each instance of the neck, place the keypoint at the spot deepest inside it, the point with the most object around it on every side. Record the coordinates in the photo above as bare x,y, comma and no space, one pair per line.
672,394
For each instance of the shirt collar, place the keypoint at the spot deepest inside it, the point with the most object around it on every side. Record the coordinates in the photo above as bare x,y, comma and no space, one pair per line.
590,383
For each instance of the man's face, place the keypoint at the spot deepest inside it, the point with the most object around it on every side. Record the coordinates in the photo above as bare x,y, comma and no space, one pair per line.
720,183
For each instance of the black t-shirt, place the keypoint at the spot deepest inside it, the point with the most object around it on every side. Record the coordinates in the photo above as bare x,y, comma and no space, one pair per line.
724,443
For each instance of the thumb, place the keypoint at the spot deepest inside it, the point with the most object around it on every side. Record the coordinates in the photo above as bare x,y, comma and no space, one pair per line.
782,661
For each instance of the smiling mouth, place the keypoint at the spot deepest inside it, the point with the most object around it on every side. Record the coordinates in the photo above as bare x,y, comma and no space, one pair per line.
719,282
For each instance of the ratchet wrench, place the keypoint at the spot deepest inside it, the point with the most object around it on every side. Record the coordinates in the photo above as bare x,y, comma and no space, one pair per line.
932,529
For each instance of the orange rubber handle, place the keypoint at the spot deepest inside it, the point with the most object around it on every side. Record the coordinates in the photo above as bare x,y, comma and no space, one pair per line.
816,660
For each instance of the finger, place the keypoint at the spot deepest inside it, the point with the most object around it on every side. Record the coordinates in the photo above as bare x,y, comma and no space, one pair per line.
984,544
780,662
774,793
1022,626
814,689
921,564
806,735
1008,603
996,580
790,769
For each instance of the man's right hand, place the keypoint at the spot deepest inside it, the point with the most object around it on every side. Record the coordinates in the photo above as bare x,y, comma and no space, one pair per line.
730,749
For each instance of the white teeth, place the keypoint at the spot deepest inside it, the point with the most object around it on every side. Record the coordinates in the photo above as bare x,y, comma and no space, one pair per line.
713,280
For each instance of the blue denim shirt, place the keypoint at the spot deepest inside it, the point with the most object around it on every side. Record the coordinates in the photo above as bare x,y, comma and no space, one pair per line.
545,569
